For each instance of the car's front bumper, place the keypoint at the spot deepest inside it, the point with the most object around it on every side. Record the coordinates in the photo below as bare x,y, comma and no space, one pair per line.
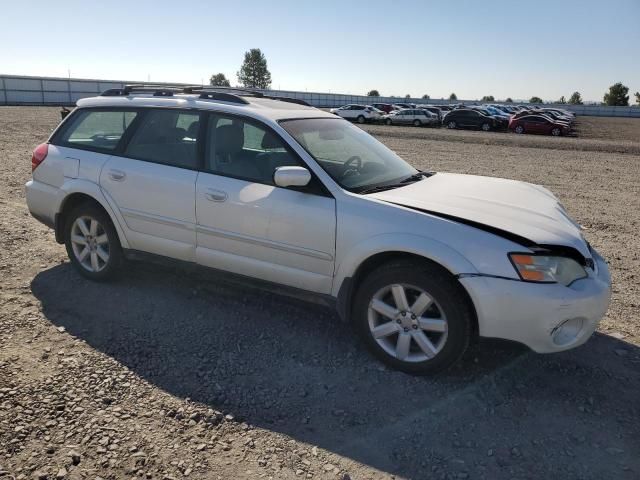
545,317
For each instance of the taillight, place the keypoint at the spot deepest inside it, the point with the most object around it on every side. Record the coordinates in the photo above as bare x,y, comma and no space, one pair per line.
39,154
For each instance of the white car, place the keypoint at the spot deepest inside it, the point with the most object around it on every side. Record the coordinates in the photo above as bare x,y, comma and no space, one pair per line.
420,262
358,113
411,116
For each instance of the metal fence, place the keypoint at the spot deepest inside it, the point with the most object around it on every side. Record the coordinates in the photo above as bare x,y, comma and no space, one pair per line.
24,90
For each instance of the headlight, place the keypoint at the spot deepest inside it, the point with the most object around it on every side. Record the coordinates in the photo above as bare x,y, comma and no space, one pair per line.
545,268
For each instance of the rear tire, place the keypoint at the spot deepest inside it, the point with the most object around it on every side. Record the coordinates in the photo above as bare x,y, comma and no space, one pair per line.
436,327
92,243
452,125
361,119
417,123
388,121
485,127
519,129
556,131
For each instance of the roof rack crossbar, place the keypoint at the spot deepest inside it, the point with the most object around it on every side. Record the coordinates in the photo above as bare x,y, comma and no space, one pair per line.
155,90
221,96
212,88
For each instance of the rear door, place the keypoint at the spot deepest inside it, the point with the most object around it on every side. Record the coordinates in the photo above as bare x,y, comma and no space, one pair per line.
152,182
534,124
348,112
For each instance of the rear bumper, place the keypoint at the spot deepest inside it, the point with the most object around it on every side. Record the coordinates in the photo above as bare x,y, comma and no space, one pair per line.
43,201
545,317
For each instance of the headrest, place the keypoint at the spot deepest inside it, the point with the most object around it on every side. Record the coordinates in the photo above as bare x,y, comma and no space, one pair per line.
269,141
229,139
194,128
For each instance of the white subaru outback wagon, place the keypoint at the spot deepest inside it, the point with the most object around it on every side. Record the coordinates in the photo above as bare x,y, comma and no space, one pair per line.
272,189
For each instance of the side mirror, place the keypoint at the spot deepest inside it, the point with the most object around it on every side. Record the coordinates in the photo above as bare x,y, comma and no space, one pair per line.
291,177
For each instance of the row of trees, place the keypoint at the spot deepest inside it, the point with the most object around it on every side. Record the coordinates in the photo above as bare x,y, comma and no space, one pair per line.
616,96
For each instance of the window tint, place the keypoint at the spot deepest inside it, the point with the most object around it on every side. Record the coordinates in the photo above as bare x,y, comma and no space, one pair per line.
167,136
97,129
245,150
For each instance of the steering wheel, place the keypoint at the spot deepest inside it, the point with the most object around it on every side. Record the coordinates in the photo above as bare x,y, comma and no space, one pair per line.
351,166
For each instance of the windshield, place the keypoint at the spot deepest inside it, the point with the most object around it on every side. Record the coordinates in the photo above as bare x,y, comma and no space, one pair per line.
352,157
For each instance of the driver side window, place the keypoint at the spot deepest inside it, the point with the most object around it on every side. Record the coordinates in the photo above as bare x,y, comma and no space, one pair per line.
245,150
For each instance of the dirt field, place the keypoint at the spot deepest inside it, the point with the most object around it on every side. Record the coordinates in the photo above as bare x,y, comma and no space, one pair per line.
171,373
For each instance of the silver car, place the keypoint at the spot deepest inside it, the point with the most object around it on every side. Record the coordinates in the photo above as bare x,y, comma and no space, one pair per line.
411,116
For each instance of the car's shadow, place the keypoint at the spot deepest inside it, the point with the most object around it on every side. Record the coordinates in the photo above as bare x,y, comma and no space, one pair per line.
294,368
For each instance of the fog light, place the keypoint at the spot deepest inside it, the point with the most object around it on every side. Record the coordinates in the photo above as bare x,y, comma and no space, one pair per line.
567,331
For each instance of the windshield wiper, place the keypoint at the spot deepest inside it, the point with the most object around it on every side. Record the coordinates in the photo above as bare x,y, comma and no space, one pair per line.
413,178
402,183
416,177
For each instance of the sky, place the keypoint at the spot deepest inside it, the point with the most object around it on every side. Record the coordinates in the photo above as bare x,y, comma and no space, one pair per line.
546,48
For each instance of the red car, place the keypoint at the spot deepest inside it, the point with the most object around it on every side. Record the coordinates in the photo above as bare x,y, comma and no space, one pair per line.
385,107
538,124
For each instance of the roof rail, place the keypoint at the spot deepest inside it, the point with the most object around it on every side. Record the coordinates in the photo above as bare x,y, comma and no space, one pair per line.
208,92
288,100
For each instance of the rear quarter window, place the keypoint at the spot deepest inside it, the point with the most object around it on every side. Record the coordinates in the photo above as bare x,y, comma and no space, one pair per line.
99,130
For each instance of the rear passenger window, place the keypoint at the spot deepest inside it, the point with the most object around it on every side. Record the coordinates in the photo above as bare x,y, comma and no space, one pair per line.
167,136
97,129
244,150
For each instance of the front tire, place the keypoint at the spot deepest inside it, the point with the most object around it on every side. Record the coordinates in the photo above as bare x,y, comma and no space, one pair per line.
417,123
452,125
361,119
92,243
416,320
519,129
556,132
388,121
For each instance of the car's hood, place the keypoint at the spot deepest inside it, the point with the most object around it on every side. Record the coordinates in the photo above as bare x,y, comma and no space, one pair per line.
521,209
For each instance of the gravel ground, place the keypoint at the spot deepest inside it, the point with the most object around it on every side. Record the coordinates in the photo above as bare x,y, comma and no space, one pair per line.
175,373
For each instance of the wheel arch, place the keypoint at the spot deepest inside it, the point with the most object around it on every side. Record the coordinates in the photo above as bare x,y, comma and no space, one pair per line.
78,194
445,258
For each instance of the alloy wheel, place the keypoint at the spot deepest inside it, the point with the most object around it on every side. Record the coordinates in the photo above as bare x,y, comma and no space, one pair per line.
452,125
90,243
407,323
555,132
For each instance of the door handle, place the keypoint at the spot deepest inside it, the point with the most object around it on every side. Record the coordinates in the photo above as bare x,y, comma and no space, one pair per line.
117,175
216,195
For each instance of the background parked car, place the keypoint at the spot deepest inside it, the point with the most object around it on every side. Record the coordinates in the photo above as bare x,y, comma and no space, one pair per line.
359,113
435,110
385,107
411,116
540,124
502,119
468,118
496,112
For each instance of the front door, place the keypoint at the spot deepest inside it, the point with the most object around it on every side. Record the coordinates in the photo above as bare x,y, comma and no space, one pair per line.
247,225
